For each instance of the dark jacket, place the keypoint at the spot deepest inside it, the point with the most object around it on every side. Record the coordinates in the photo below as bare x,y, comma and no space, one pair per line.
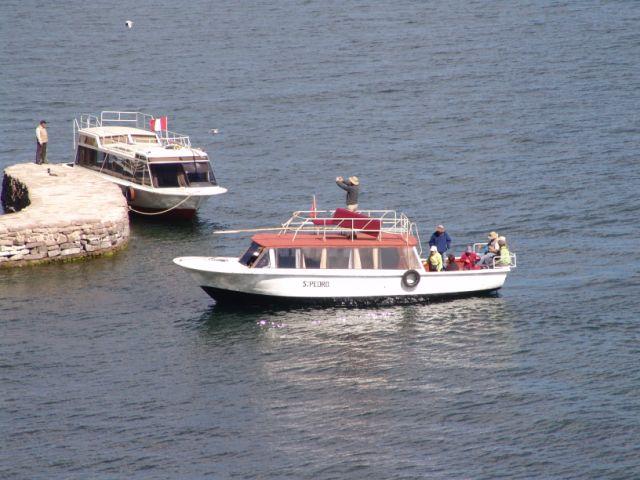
352,192
452,267
441,241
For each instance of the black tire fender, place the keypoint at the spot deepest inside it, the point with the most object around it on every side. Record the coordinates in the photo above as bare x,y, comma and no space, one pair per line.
410,279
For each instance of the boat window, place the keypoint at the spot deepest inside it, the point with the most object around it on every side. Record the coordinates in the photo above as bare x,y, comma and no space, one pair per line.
263,260
338,257
389,258
90,158
286,258
86,156
168,175
144,139
401,258
115,139
141,174
397,258
313,258
88,140
364,258
251,254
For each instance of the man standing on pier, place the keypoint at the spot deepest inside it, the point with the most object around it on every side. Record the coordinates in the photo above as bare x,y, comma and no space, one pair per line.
42,138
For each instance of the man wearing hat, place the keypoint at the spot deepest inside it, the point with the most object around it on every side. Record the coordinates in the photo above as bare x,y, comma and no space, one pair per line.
440,239
352,187
492,250
42,138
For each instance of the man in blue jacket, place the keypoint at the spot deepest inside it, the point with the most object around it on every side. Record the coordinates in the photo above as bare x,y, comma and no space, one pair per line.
441,240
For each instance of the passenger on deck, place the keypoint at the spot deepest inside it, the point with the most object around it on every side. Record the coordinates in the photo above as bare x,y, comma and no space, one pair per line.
434,262
441,239
470,258
452,266
352,187
492,250
504,254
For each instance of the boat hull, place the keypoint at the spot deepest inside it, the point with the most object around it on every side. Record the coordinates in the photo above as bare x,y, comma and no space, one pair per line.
181,202
229,297
227,281
144,202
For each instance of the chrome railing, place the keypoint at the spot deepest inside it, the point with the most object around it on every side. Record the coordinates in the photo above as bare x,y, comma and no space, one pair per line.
324,222
143,122
497,261
83,121
128,119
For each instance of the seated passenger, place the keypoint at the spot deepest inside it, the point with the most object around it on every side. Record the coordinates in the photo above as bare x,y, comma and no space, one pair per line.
470,258
504,259
452,266
434,261
493,248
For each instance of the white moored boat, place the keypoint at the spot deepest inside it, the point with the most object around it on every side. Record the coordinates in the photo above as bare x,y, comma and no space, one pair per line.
340,258
159,172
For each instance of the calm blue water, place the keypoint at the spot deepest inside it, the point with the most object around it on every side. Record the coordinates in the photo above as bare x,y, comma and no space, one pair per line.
521,117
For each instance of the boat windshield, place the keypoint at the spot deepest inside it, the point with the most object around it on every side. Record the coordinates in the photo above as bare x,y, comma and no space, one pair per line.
198,172
187,174
256,256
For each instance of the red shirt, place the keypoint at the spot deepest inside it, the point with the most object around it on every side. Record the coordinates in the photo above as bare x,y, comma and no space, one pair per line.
470,260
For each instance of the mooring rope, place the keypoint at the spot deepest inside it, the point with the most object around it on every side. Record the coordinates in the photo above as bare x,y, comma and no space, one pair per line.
164,211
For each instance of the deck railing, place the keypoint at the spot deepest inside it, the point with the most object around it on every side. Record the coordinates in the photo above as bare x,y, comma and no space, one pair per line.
128,119
376,223
496,262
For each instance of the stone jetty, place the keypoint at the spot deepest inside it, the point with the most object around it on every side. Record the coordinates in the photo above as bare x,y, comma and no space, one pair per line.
61,212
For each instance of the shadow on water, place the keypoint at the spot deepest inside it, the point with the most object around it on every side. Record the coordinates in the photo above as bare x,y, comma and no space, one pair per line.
154,224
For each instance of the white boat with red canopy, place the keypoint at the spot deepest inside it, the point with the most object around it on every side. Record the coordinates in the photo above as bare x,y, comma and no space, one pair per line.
159,172
339,257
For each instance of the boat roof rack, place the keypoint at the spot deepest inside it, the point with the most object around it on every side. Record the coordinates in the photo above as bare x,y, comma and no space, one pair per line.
142,121
376,223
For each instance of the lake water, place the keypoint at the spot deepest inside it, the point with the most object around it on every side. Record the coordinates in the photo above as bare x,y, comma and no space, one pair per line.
520,117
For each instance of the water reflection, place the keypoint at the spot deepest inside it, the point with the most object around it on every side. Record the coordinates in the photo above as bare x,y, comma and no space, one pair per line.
348,371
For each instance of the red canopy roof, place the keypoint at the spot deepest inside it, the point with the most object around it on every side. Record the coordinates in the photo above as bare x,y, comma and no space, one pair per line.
306,239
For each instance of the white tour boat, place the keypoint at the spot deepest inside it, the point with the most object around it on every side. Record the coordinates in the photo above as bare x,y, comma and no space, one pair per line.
340,258
158,171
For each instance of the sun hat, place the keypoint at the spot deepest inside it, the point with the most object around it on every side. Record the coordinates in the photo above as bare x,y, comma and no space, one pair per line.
493,235
433,248
440,227
502,239
354,180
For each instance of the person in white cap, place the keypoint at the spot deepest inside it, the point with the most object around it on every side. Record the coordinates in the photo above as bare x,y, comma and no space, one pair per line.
434,262
42,138
352,188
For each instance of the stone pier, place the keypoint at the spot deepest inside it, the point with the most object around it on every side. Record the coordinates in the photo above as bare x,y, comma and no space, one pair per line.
61,213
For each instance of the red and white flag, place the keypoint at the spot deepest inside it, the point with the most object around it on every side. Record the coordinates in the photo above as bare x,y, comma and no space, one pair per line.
314,207
158,124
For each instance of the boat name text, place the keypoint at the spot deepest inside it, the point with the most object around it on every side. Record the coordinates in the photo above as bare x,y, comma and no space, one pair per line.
315,283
